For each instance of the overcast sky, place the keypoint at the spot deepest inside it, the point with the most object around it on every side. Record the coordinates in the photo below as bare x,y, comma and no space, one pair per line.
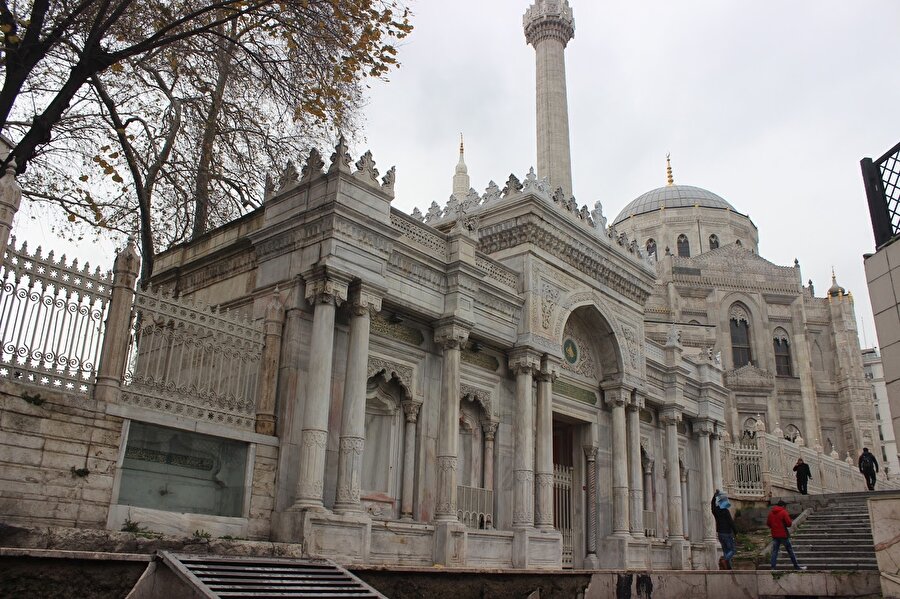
769,104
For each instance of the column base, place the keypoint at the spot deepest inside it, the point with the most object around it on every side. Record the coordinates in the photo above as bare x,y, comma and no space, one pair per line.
679,561
341,537
533,548
591,562
449,543
611,552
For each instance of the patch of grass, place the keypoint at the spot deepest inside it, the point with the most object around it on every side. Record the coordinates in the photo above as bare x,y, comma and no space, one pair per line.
201,534
135,527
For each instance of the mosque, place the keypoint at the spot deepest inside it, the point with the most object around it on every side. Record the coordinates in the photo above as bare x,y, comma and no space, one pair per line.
507,380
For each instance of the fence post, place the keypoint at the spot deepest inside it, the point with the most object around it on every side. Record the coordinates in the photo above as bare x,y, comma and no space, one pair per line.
117,331
765,468
10,198
268,366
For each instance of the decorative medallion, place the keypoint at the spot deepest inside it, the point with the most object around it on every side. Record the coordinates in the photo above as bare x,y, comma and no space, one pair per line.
570,351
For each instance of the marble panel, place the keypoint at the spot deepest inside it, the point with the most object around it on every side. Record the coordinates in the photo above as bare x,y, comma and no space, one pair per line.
402,545
781,583
344,540
674,585
861,583
545,550
492,549
884,512
734,584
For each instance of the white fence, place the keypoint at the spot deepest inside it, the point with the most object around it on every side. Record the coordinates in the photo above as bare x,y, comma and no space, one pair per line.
51,319
764,467
192,361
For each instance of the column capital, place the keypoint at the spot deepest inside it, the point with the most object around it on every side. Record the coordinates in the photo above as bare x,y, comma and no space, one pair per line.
411,410
615,393
451,334
325,287
524,359
705,428
549,368
365,299
670,415
590,452
489,427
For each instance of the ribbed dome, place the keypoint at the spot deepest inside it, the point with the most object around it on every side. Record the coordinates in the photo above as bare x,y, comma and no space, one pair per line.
672,196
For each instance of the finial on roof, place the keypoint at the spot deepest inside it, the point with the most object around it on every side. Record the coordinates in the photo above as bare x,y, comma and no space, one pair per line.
669,179
460,144
835,290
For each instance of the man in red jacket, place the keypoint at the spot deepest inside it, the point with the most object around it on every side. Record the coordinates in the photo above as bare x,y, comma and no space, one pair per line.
779,521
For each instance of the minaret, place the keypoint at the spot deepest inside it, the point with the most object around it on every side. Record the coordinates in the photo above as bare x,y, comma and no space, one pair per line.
461,178
548,27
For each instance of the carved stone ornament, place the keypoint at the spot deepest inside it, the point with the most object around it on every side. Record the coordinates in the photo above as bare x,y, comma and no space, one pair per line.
491,193
417,214
288,177
549,301
481,396
578,355
738,313
513,186
387,182
490,429
391,370
434,213
749,377
365,169
629,334
451,336
340,159
411,410
524,360
323,290
312,169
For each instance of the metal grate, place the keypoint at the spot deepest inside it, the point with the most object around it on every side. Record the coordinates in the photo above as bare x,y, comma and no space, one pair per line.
266,577
882,181
562,510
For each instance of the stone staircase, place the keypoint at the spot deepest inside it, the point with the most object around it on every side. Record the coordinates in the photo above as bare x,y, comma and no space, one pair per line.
837,536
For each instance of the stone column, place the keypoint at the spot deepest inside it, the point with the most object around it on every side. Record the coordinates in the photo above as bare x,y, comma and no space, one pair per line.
490,431
685,517
543,479
10,198
411,412
523,363
617,397
449,337
114,349
549,27
670,419
707,486
363,305
591,560
648,487
271,361
635,486
715,450
325,294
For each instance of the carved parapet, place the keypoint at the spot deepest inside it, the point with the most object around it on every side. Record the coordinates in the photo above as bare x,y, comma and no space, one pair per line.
451,335
340,159
312,168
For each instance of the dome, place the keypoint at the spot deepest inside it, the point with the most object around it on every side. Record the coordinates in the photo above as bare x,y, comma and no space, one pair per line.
673,196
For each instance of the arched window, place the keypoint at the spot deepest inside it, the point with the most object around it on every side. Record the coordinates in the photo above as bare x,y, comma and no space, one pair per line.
713,242
740,336
782,353
738,243
684,247
651,247
791,433
381,464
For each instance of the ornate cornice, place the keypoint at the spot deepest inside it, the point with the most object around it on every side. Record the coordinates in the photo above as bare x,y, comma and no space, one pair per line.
630,282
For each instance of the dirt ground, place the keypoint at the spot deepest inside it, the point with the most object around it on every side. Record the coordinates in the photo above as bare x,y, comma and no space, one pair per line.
67,579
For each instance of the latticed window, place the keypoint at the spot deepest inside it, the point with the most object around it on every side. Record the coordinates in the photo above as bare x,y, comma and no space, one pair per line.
651,247
740,342
684,246
782,356
713,242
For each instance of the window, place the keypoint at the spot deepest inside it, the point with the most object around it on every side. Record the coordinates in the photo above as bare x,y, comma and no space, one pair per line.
713,242
791,433
684,247
782,348
740,342
381,463
181,471
651,247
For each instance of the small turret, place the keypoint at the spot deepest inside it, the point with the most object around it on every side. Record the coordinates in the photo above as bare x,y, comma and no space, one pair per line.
461,178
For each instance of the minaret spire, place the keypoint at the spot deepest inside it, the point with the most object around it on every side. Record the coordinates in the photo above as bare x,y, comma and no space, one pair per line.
669,179
549,26
461,178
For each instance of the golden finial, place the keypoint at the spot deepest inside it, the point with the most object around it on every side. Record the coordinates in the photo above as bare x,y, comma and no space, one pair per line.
833,277
669,180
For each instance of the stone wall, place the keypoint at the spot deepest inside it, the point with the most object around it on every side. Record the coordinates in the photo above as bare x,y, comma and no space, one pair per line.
57,457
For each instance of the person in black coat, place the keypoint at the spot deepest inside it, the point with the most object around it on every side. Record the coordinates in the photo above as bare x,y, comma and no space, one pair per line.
803,475
868,465
725,528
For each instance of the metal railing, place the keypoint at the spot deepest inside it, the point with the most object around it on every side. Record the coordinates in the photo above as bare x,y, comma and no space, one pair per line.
190,360
882,181
475,507
562,510
51,319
